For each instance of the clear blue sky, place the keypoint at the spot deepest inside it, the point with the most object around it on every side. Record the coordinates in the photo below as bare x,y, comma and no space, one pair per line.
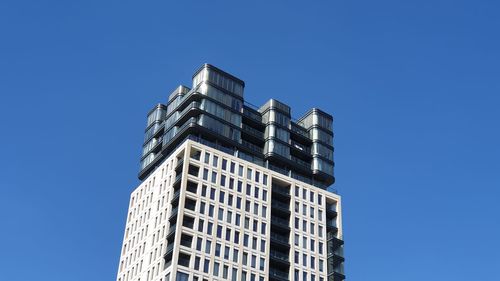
413,85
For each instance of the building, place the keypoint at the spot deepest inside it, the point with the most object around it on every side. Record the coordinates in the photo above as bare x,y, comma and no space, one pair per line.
233,192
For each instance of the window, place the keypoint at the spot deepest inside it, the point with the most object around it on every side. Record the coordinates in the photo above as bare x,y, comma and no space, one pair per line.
219,231
237,220
206,266
197,263
181,276
208,245
217,250
221,196
198,244
245,240
214,177
216,269
202,208
235,255
215,161
200,225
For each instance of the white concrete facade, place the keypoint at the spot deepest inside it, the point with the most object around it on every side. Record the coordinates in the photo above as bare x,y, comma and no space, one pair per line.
206,215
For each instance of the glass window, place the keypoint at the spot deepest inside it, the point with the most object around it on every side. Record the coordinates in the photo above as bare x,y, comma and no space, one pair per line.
181,276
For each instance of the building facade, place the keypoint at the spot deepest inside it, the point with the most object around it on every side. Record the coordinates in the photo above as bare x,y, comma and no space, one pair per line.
233,192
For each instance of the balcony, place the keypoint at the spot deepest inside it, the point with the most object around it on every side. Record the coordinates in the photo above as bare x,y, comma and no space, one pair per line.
177,181
252,132
173,214
300,147
175,197
171,231
178,167
335,258
299,131
332,225
283,191
278,275
279,239
279,257
304,164
279,222
251,115
252,147
170,248
332,238
169,252
331,211
281,207
336,276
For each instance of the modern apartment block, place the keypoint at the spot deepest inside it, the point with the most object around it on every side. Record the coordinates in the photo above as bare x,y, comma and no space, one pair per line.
233,192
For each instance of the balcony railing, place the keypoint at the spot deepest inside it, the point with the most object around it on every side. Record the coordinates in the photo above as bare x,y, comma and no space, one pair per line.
252,115
252,131
252,146
300,147
279,205
276,273
280,221
279,255
331,224
280,238
296,129
171,230
300,162
281,190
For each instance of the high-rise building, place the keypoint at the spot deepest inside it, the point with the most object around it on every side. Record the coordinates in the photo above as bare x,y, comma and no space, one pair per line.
233,192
